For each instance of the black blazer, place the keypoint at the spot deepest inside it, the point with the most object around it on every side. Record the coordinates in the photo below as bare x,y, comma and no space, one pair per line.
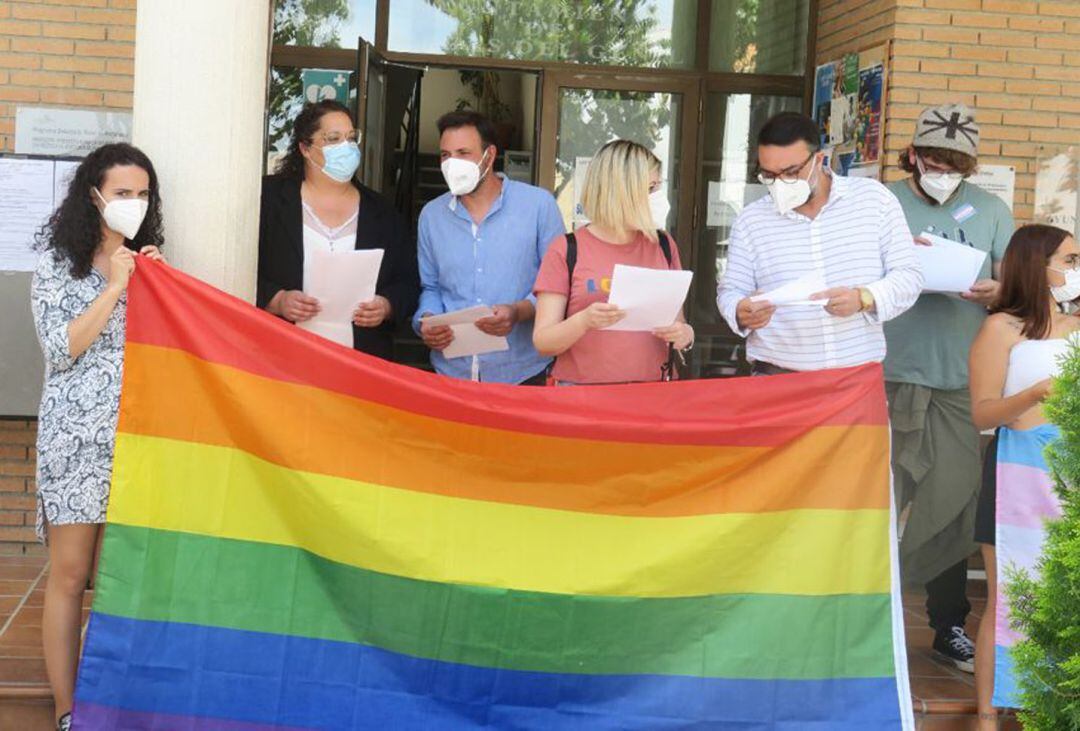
378,226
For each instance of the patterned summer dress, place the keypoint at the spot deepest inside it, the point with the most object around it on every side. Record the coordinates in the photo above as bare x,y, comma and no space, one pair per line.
80,398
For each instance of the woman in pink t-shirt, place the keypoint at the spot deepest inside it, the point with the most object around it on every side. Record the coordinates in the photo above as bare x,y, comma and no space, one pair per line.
626,205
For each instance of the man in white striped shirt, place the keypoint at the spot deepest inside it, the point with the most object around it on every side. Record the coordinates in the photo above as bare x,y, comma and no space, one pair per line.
851,231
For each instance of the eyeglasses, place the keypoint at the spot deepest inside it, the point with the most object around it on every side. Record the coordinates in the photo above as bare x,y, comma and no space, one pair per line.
1071,263
788,176
333,138
949,173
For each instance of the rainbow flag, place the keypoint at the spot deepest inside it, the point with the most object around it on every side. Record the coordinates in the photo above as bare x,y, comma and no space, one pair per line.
303,537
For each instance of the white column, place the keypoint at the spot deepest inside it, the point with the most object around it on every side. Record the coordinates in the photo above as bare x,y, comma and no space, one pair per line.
200,101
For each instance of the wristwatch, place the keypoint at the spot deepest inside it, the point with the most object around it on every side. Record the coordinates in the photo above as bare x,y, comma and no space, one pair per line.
866,299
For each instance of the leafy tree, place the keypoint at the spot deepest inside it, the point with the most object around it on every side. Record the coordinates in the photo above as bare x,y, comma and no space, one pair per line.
608,32
299,23
1046,608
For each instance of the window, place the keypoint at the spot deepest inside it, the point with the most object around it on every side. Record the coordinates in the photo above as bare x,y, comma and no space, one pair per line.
323,23
759,36
644,33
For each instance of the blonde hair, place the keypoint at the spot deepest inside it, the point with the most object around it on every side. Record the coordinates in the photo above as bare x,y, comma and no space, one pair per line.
616,194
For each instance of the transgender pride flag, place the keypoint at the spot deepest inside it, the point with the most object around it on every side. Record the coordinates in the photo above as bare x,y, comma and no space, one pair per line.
1025,501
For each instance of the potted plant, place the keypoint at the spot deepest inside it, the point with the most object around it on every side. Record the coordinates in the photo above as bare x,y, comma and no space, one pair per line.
484,85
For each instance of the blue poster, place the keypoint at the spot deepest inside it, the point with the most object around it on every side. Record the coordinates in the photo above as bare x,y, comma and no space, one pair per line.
868,132
825,80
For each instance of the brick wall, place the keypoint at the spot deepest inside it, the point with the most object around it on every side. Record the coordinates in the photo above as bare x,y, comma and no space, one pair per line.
17,486
1016,62
845,26
65,53
70,53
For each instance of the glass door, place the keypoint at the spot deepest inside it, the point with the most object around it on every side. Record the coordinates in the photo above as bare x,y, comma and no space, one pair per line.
388,104
726,184
581,112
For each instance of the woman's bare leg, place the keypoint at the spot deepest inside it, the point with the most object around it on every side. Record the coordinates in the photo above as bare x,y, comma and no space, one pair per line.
71,560
984,646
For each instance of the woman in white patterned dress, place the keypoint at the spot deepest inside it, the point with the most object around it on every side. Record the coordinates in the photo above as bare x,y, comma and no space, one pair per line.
112,210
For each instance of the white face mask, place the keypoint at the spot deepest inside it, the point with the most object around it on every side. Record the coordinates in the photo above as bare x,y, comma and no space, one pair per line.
1071,289
659,207
462,176
124,215
789,196
939,186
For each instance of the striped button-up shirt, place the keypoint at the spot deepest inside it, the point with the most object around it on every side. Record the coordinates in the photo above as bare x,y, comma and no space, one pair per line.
860,238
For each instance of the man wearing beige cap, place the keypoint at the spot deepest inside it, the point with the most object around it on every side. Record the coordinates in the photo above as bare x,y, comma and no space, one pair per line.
936,455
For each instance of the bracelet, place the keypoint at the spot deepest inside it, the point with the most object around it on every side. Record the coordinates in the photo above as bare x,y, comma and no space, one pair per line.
693,336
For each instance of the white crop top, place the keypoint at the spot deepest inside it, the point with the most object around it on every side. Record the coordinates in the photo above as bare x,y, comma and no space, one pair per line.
1031,361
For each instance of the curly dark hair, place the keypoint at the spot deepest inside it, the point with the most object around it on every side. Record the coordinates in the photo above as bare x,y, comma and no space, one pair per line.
304,128
74,229
958,161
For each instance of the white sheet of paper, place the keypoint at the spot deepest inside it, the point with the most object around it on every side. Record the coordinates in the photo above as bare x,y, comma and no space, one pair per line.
651,297
341,281
26,202
796,292
468,338
948,266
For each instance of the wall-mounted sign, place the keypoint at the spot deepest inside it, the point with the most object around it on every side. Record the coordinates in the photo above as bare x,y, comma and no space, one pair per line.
997,179
320,84
67,132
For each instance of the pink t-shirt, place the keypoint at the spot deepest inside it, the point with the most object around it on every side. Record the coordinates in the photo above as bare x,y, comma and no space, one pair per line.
604,356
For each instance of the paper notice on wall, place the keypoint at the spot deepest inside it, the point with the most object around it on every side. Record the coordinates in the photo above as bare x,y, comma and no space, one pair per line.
29,193
63,172
1000,180
727,199
842,120
718,212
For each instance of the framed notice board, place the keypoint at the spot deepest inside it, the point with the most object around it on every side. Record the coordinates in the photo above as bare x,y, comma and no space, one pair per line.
31,187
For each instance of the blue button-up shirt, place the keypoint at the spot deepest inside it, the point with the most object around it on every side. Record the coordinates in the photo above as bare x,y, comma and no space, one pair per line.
494,262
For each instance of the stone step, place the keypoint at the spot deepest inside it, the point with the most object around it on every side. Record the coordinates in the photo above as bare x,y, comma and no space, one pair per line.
26,710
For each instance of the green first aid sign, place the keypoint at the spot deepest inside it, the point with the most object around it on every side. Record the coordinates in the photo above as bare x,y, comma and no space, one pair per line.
320,84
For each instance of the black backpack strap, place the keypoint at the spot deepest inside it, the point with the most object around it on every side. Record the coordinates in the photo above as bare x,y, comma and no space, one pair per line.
571,257
571,262
665,245
668,370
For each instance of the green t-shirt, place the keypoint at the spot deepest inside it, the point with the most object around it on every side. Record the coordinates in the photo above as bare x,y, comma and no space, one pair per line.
928,345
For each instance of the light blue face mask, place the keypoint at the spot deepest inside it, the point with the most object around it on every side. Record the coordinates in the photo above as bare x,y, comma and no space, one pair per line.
341,161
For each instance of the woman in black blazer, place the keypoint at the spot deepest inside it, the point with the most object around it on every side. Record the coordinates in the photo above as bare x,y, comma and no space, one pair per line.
314,187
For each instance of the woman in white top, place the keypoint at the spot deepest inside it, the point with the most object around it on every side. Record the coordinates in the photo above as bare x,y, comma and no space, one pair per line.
314,203
1012,362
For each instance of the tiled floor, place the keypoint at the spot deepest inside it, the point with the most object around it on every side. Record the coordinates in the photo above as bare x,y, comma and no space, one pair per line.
944,696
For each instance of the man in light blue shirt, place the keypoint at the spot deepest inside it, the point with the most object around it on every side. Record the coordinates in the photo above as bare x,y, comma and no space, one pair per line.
482,244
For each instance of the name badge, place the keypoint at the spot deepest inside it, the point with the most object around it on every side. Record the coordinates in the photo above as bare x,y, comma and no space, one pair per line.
963,213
